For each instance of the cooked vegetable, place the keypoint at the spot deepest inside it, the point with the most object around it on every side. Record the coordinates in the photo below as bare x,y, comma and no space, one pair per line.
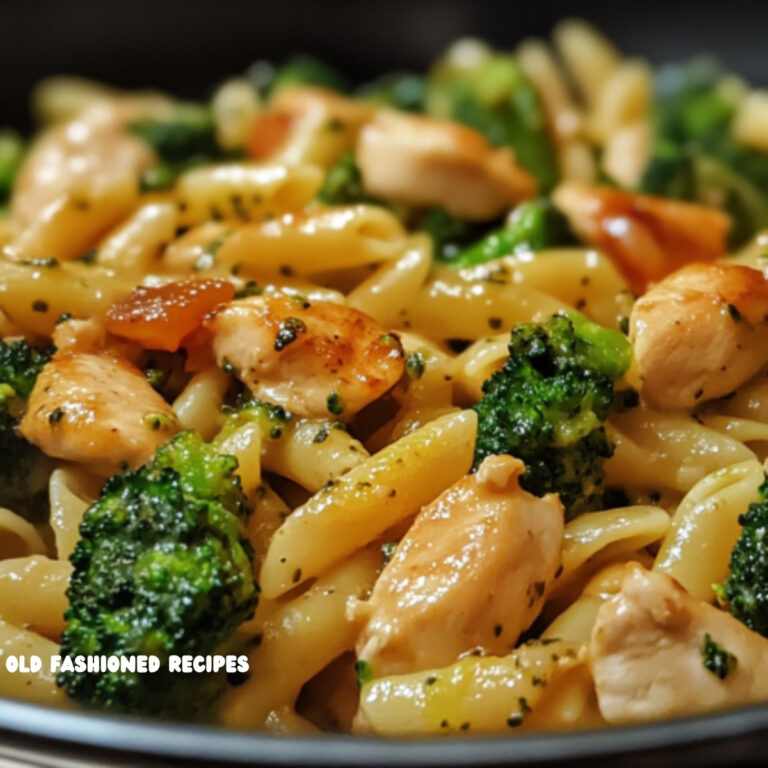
399,90
695,156
24,470
745,591
271,418
180,142
496,98
548,404
533,226
162,567
450,234
12,151
306,70
343,183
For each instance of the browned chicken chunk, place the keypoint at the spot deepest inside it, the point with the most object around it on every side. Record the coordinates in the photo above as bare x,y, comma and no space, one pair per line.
472,572
647,653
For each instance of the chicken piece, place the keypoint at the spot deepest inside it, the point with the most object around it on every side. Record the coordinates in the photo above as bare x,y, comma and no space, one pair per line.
700,333
92,150
96,409
647,653
421,161
646,237
472,572
313,358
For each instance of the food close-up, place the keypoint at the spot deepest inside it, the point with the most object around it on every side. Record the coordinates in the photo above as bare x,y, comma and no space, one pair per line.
433,405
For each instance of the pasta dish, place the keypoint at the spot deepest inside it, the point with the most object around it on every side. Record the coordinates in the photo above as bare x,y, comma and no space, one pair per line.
432,405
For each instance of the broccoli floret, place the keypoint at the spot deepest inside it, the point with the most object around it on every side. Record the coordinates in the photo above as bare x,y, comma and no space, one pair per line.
343,184
745,591
11,156
272,419
533,226
450,234
695,155
398,90
306,70
548,404
162,567
181,141
496,98
24,470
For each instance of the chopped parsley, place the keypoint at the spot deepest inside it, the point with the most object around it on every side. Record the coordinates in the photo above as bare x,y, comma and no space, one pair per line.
288,332
717,659
335,404
363,672
414,365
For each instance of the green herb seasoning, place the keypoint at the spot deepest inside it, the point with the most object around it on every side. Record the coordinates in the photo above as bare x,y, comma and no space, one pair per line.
717,659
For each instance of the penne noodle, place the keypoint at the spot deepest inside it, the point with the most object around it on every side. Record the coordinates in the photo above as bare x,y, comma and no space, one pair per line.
357,508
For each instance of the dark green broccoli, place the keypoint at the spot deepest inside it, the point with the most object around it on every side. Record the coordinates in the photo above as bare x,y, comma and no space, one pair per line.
271,418
162,568
497,99
343,184
548,404
24,470
398,90
181,141
716,658
533,226
695,155
12,151
450,235
306,70
745,591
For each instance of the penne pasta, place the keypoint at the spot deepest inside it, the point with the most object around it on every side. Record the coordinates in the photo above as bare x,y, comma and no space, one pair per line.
362,504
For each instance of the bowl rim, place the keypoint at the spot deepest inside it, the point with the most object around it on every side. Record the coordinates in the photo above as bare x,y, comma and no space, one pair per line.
124,735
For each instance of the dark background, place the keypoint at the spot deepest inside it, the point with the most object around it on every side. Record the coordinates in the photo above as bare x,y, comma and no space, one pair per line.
186,46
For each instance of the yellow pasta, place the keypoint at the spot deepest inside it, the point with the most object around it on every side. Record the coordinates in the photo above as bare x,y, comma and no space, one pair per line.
537,61
590,58
235,105
452,306
198,407
610,533
317,241
674,450
35,296
71,492
35,687
298,640
389,291
624,100
587,280
389,487
18,537
139,242
245,191
33,590
323,125
705,527
312,453
475,694
73,224
269,513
